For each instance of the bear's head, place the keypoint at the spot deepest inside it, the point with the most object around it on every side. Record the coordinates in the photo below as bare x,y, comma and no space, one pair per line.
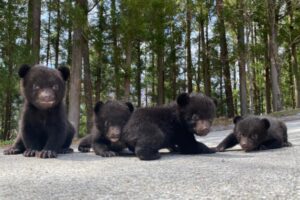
110,118
250,131
196,112
43,87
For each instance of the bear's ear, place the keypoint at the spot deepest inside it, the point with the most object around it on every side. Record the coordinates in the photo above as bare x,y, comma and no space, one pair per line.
130,106
23,70
98,106
237,119
65,72
266,123
183,99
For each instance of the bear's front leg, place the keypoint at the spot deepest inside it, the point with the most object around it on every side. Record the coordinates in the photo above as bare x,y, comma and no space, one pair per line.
32,142
17,148
228,142
102,149
189,145
101,146
85,144
55,140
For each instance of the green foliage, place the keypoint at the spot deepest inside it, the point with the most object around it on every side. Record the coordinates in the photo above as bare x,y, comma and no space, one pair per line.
159,27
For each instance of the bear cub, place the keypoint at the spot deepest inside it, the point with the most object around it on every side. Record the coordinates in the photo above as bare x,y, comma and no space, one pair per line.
172,126
109,120
255,133
44,129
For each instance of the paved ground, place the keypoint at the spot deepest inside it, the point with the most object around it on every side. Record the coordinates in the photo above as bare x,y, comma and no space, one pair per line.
230,175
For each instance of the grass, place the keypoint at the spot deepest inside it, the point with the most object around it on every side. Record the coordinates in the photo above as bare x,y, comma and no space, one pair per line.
285,113
224,121
4,143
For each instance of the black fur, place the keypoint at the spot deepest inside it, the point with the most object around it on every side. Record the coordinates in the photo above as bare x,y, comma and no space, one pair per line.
254,133
173,126
109,120
44,129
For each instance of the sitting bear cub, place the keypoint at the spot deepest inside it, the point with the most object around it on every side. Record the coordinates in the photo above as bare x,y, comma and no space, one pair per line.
109,120
44,128
254,133
151,129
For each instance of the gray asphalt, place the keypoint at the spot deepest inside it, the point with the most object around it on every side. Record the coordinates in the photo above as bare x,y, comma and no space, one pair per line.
272,174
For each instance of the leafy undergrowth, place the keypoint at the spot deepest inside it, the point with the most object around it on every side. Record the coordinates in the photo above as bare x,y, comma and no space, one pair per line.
4,143
224,121
285,113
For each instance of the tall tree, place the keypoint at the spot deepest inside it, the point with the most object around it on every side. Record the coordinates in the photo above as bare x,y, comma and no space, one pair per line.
75,81
115,56
9,48
48,48
273,55
224,59
36,30
293,50
188,46
87,81
58,30
203,21
267,74
242,57
158,18
99,45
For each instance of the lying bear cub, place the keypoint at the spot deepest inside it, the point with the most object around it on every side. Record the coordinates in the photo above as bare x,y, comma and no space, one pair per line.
44,128
151,129
109,120
255,133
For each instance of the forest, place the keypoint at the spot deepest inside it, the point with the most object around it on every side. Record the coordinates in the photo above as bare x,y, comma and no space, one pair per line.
244,53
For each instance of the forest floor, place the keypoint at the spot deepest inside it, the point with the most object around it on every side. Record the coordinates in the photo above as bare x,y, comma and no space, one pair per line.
272,174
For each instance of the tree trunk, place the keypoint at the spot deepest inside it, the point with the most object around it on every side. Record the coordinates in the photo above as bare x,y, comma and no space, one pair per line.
88,88
127,70
8,60
75,81
48,55
267,74
160,75
28,59
58,30
291,81
205,61
36,30
138,74
224,59
174,68
188,46
273,54
100,52
115,57
293,50
198,79
159,48
242,58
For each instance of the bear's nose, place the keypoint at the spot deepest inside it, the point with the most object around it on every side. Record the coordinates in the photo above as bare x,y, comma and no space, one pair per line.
46,95
204,131
244,145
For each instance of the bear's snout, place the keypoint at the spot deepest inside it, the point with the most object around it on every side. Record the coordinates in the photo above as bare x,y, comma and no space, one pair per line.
114,133
202,127
45,98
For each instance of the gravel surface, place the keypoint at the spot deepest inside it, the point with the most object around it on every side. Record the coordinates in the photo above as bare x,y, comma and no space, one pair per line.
272,174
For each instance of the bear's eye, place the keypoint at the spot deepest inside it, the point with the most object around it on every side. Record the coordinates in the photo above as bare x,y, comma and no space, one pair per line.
254,136
55,87
35,87
195,117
